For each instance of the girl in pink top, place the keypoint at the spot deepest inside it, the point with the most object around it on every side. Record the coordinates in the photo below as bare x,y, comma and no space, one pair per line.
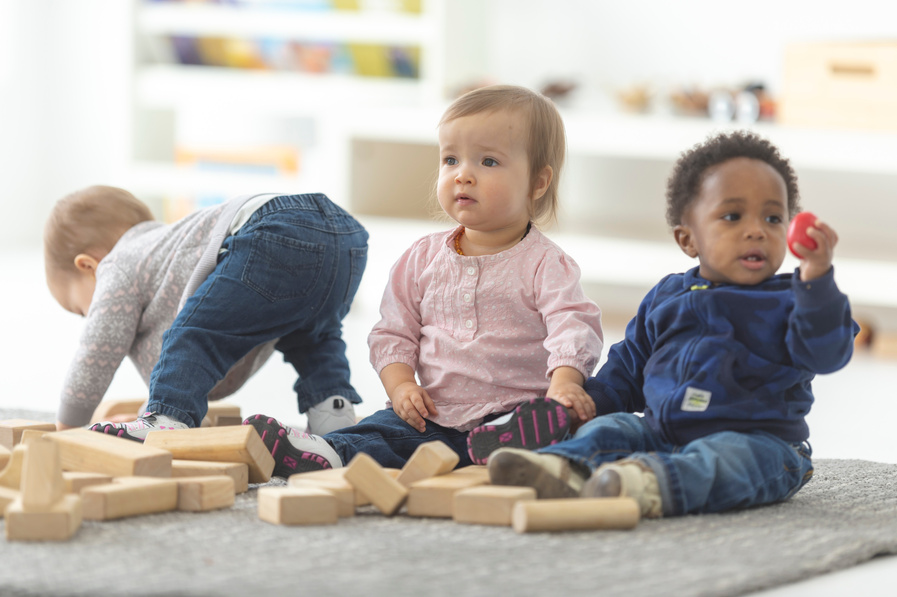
489,318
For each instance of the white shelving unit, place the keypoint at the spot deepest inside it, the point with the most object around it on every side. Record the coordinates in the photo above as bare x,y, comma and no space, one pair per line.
376,145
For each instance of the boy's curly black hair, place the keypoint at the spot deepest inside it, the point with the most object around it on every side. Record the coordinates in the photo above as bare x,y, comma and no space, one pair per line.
685,182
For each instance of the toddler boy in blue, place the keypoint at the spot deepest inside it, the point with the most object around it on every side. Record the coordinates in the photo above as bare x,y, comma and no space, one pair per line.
718,360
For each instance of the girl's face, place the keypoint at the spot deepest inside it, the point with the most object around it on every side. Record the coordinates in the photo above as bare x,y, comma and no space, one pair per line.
484,178
737,225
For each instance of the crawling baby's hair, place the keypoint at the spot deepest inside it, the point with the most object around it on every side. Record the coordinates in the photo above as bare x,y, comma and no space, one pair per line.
685,182
547,141
89,220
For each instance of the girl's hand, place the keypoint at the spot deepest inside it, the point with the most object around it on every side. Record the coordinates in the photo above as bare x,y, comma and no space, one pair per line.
816,262
566,388
413,404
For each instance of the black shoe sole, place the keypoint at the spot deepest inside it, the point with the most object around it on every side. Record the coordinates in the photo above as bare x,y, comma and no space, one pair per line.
535,424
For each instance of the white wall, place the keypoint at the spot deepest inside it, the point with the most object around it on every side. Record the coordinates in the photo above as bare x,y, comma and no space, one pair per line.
64,104
608,44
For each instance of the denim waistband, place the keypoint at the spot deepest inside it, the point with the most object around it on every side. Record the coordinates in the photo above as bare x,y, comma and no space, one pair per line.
306,201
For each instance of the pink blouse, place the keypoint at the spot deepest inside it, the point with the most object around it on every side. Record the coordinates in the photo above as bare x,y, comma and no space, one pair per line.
484,333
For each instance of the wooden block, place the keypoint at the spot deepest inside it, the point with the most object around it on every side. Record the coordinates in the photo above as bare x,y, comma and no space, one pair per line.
83,450
336,475
201,494
41,484
434,497
379,486
110,408
75,481
29,435
221,414
488,504
297,505
7,496
238,471
5,455
42,512
58,523
218,444
341,489
428,460
11,476
11,430
575,514
129,496
480,470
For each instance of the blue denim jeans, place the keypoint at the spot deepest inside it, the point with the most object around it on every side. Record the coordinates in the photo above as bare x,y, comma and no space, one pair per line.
389,440
721,471
291,273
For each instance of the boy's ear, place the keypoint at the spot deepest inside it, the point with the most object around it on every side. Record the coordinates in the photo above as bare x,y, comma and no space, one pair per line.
540,187
686,240
86,264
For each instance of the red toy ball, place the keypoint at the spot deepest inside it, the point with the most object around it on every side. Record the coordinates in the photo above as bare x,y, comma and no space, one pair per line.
797,231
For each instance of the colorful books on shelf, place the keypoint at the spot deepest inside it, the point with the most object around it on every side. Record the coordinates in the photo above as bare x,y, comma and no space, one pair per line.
358,59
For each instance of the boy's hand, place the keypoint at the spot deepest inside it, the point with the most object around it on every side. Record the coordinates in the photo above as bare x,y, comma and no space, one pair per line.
816,262
566,388
413,404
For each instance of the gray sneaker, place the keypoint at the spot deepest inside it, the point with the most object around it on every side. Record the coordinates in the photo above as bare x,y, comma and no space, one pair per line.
627,478
550,475
333,413
137,430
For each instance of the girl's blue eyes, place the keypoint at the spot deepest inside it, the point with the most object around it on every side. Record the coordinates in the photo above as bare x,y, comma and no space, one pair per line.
488,162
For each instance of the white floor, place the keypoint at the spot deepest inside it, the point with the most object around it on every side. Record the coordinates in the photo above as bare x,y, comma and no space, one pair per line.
852,418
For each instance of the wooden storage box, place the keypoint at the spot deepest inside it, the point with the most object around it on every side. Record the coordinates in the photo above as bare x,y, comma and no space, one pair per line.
841,85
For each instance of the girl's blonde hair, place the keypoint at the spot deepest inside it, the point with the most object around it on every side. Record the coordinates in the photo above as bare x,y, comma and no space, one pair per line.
547,140
89,221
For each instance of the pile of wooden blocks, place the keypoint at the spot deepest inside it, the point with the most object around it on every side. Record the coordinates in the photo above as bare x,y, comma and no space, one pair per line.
50,481
430,486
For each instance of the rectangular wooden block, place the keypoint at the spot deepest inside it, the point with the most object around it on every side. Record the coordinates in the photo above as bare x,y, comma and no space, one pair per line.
110,408
5,455
7,496
341,489
58,523
434,497
428,460
336,475
297,506
83,450
379,486
41,484
11,430
218,444
238,471
11,476
129,496
221,414
489,504
201,494
75,481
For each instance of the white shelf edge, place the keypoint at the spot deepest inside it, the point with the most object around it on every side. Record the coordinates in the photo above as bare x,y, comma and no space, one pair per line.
170,86
392,28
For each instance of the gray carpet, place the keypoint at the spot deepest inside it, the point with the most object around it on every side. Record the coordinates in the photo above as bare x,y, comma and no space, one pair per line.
846,515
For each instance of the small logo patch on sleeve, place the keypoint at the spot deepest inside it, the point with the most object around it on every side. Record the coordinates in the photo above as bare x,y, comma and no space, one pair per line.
695,400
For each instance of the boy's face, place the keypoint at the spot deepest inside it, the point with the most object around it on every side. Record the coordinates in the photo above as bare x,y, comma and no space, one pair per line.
737,224
484,178
72,290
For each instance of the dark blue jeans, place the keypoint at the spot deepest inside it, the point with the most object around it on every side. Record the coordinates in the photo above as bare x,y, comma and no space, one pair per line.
291,273
389,440
718,472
